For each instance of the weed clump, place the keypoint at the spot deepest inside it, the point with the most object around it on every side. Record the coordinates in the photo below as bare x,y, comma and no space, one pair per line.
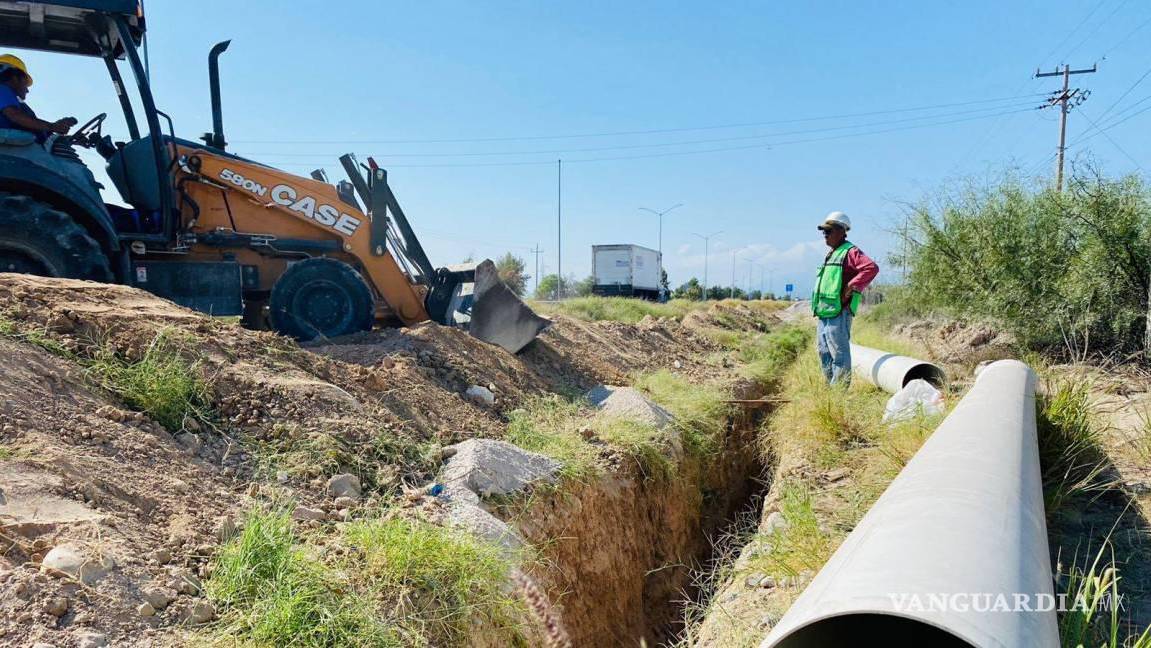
570,432
768,356
274,593
385,582
701,414
1070,455
162,382
437,582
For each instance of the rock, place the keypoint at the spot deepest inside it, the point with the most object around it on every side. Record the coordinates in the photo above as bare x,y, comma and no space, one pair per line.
487,467
41,644
93,640
344,485
480,395
72,561
345,503
629,403
767,582
282,476
159,597
837,474
161,556
186,582
191,442
774,523
225,528
200,612
754,579
57,606
146,610
304,513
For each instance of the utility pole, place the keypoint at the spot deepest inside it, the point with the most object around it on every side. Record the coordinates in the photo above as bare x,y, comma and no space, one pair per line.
660,214
1063,99
705,242
536,251
750,269
733,253
559,229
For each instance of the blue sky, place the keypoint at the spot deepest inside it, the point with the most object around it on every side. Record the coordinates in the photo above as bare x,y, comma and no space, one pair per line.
304,82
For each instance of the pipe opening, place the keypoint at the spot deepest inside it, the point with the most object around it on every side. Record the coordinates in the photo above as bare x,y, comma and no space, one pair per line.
870,629
928,372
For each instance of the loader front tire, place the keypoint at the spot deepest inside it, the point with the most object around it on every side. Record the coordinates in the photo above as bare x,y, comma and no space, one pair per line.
321,297
36,238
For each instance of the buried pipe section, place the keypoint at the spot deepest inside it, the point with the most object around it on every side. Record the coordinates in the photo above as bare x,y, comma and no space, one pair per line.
892,372
954,553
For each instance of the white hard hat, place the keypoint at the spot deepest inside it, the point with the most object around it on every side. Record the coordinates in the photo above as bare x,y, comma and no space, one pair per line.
836,218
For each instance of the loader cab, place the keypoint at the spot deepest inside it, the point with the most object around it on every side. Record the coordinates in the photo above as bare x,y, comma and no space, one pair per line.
140,167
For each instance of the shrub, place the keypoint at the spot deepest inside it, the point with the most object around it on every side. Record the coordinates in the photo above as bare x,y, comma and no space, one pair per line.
1063,271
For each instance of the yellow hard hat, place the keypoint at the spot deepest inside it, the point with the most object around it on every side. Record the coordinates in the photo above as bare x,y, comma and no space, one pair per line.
11,60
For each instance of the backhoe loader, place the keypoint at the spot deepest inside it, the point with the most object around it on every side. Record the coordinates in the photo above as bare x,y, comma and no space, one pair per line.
212,230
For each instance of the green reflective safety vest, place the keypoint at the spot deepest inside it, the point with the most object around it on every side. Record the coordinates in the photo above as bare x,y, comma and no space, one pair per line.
826,300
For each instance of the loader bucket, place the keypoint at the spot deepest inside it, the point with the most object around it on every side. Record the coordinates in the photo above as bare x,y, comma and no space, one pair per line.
498,316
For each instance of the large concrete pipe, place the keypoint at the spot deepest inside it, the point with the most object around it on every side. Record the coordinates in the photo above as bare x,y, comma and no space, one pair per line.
892,372
955,550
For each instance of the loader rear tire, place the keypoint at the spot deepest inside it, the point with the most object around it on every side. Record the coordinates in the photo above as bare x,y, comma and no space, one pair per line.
36,238
321,297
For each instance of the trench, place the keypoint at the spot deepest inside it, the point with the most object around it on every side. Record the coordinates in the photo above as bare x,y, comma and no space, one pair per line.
621,554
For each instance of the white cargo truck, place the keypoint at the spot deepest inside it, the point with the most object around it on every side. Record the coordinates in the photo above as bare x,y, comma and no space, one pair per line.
625,270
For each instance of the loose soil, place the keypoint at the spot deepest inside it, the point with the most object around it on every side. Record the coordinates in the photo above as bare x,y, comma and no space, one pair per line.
81,468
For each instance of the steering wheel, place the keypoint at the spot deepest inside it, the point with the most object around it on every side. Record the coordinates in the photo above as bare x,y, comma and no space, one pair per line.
89,133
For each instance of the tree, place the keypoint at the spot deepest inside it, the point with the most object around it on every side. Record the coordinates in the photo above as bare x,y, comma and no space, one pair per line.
724,292
755,294
547,287
581,288
690,290
511,270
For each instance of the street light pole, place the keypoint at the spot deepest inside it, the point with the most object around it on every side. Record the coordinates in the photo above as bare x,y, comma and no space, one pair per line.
705,243
659,281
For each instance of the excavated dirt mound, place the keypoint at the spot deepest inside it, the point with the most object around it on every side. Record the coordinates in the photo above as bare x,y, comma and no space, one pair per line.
149,504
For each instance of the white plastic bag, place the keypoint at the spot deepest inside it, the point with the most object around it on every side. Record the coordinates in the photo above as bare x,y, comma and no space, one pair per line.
915,397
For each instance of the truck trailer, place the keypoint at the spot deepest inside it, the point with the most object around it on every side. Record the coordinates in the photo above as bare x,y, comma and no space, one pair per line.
626,271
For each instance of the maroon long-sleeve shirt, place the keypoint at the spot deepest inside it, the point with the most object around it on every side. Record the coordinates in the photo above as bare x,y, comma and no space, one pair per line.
858,269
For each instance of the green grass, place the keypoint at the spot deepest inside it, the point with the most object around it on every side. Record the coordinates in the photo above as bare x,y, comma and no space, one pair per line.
618,309
37,336
384,582
440,583
273,593
1093,617
767,356
6,453
1072,460
799,546
162,383
379,461
701,415
556,427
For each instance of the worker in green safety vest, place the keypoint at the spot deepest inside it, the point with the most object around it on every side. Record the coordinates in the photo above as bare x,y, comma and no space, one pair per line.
845,273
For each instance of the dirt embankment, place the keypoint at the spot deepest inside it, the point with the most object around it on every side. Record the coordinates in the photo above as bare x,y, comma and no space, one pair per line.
149,505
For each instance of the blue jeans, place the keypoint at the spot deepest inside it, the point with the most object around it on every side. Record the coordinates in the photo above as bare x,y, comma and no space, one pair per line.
833,341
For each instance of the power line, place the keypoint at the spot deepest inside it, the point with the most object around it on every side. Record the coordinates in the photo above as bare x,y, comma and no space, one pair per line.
1113,124
1097,27
1126,38
1124,95
639,132
764,145
628,147
1109,139
1074,29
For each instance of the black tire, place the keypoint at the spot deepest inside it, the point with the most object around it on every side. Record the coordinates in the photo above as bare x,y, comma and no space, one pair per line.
36,238
321,297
